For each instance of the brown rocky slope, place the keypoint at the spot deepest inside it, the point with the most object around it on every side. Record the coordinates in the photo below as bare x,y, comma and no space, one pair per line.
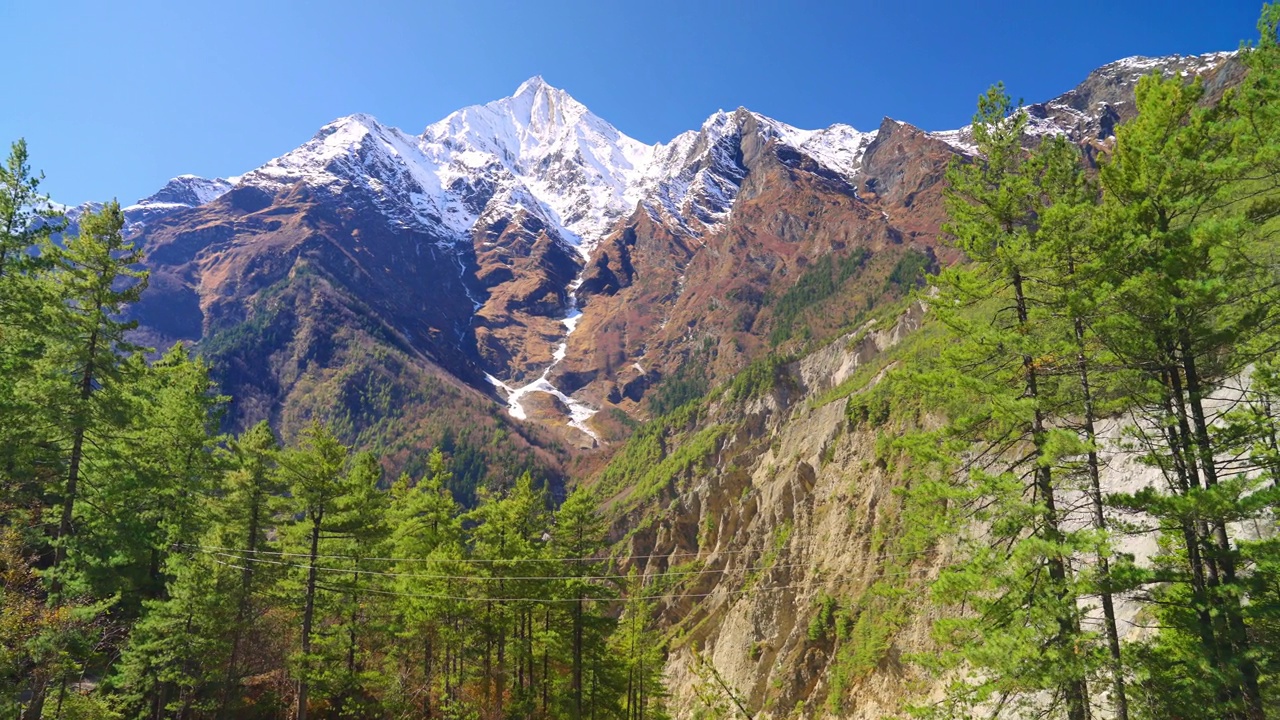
327,283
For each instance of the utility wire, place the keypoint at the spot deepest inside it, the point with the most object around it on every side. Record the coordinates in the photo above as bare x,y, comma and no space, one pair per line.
476,561
490,561
493,578
474,598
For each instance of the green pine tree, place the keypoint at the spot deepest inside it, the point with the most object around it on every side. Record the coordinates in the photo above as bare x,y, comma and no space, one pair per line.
26,223
83,371
1192,285
1019,635
246,513
432,638
314,472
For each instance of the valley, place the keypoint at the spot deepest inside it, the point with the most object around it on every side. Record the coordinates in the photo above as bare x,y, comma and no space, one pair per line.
520,417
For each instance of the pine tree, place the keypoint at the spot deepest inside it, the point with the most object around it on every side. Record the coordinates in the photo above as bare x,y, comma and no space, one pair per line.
1191,284
245,514
642,653
85,362
314,473
26,217
579,534
1021,634
358,531
172,665
509,537
26,224
155,476
1071,275
431,641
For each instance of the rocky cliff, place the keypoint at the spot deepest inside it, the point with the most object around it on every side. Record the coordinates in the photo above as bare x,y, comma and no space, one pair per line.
774,544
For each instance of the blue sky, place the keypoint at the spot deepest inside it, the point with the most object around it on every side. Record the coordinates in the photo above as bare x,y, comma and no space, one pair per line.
115,98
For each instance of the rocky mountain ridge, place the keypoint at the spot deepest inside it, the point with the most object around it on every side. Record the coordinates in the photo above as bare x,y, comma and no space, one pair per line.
523,267
527,249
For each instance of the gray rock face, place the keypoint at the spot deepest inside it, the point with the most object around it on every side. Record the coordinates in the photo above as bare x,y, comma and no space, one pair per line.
1091,110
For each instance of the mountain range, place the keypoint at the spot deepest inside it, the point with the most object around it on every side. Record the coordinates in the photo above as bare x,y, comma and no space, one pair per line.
523,269
526,288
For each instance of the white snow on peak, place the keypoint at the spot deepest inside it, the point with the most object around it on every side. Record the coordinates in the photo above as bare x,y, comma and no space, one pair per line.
839,147
532,85
961,139
388,163
1126,71
542,151
1138,65
697,175
581,168
186,191
207,192
180,193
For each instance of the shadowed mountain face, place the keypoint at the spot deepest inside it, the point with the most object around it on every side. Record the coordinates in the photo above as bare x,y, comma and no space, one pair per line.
527,254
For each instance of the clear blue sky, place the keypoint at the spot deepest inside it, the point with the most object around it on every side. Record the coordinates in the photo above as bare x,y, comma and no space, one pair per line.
115,98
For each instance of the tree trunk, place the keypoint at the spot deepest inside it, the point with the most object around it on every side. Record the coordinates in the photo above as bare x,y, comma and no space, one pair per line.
577,659
593,690
488,659
502,659
242,606
351,647
1273,443
1100,524
428,658
65,526
1235,621
546,663
308,612
1075,690
517,649
34,709
631,676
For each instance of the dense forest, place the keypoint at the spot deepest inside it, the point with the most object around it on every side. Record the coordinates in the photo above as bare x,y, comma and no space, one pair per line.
151,566
154,566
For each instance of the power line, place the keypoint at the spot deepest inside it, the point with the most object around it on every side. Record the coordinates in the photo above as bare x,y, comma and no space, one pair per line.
469,561
550,600
473,598
491,561
493,578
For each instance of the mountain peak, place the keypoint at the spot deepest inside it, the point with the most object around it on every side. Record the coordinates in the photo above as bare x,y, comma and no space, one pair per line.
535,110
533,85
352,121
1139,65
186,191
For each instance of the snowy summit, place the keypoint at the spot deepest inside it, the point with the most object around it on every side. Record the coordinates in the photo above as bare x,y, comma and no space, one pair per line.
543,152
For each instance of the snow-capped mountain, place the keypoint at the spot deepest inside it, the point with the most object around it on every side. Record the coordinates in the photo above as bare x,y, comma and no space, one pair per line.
181,193
543,152
532,251
581,170
1092,109
501,204
697,175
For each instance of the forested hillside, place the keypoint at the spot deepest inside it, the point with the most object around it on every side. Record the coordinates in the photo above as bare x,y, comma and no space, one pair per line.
1039,481
153,567
1055,497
